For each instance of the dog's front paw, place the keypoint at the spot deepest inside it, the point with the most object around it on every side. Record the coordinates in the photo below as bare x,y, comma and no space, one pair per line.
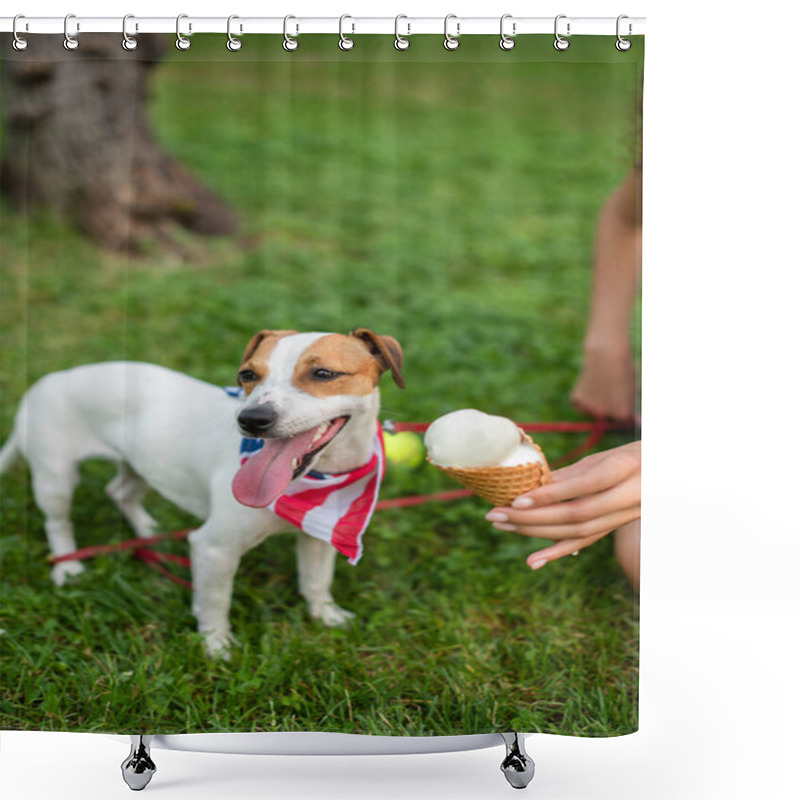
219,645
62,572
331,615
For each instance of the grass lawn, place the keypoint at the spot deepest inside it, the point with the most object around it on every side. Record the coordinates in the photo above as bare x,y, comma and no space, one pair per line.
447,199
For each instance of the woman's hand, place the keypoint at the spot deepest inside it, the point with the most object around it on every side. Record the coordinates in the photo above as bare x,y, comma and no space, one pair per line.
584,502
606,387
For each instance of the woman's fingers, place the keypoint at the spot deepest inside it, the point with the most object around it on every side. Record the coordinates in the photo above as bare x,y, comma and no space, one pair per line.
567,547
584,502
606,386
586,529
588,476
540,520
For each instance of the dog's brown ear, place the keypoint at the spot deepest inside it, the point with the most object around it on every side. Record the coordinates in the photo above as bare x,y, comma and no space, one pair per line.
254,343
386,350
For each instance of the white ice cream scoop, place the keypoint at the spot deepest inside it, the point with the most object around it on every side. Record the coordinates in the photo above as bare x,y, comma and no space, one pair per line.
489,455
470,438
523,453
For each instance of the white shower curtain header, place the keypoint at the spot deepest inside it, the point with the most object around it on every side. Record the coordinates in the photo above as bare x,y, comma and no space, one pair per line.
452,25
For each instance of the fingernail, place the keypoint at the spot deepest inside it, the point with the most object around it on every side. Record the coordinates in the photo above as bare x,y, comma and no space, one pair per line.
522,502
538,564
497,516
502,526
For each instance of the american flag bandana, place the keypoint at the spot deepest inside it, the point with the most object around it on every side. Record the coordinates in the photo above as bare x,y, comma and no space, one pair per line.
335,508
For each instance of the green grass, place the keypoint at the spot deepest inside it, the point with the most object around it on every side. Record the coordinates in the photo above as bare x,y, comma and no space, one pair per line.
448,199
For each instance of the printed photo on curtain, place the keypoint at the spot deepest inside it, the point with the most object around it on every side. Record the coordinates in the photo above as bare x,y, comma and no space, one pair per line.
319,385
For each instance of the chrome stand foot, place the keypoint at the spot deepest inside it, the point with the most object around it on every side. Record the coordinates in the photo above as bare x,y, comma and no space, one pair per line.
138,768
518,766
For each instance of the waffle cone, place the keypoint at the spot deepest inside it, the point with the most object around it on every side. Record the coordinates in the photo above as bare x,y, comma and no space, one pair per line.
501,485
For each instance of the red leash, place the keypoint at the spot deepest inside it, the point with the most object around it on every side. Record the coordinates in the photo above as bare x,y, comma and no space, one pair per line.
596,431
140,550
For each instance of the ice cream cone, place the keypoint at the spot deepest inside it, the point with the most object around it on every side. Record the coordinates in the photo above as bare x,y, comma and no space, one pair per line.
501,485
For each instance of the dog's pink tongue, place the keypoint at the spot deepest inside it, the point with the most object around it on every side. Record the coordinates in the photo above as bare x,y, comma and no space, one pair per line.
267,474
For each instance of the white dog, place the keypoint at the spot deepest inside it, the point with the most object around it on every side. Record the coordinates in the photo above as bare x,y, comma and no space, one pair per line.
311,397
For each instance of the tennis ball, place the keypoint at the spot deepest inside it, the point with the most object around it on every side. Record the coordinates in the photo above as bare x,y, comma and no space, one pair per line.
404,449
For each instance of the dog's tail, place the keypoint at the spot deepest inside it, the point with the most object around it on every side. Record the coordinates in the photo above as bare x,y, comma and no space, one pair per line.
10,452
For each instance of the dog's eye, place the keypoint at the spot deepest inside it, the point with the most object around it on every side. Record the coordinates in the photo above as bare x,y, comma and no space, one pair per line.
247,376
322,374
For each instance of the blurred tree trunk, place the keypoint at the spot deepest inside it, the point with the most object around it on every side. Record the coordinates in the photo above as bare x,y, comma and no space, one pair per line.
77,141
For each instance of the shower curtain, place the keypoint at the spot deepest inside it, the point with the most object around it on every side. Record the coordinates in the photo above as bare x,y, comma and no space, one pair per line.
164,205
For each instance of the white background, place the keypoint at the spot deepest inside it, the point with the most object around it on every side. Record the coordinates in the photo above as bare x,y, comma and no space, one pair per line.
719,696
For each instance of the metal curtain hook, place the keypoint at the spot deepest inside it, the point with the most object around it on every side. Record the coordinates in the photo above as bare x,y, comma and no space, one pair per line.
181,42
561,43
19,43
70,42
345,42
234,43
289,42
451,42
128,42
623,44
400,42
506,42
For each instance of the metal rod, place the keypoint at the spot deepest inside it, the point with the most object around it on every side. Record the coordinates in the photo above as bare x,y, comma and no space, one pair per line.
579,26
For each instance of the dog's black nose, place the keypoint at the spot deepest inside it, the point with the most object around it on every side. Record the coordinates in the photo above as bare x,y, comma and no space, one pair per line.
257,421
